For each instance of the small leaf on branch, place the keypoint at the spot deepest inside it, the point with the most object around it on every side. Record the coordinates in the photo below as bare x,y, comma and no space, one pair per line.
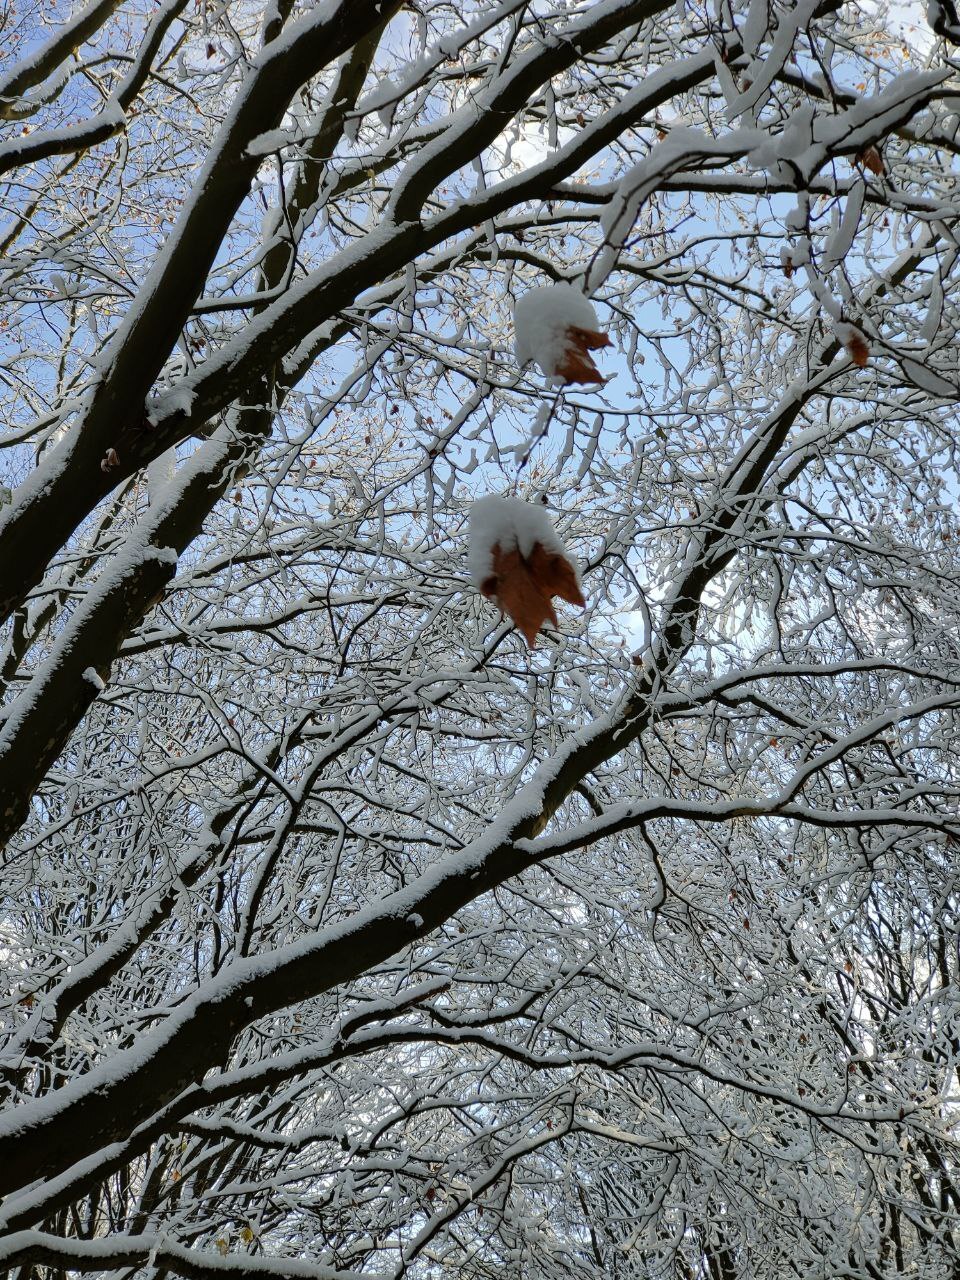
870,158
855,343
577,364
557,327
518,560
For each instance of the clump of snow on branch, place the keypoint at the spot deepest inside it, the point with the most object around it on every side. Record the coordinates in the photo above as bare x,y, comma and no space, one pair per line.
557,327
517,559
93,677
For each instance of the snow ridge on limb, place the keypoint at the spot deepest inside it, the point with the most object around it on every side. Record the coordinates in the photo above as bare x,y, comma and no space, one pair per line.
26,1247
39,722
736,504
41,63
471,129
112,119
120,594
114,1097
36,522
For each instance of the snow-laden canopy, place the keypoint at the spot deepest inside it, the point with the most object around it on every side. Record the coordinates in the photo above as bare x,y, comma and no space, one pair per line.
344,935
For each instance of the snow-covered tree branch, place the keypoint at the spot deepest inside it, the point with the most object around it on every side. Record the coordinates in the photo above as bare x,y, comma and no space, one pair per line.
583,903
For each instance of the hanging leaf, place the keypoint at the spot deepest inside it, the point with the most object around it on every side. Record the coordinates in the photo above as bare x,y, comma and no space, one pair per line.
854,342
518,561
858,350
870,158
577,364
523,587
557,327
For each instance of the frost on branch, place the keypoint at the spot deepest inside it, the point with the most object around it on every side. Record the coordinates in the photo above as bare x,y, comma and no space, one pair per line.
517,559
558,328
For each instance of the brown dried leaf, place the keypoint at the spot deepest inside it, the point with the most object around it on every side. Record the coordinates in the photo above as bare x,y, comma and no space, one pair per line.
870,158
577,363
523,587
858,350
554,575
519,596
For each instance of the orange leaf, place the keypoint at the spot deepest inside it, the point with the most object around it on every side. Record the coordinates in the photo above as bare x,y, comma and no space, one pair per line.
858,350
554,575
518,595
523,586
577,363
870,158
